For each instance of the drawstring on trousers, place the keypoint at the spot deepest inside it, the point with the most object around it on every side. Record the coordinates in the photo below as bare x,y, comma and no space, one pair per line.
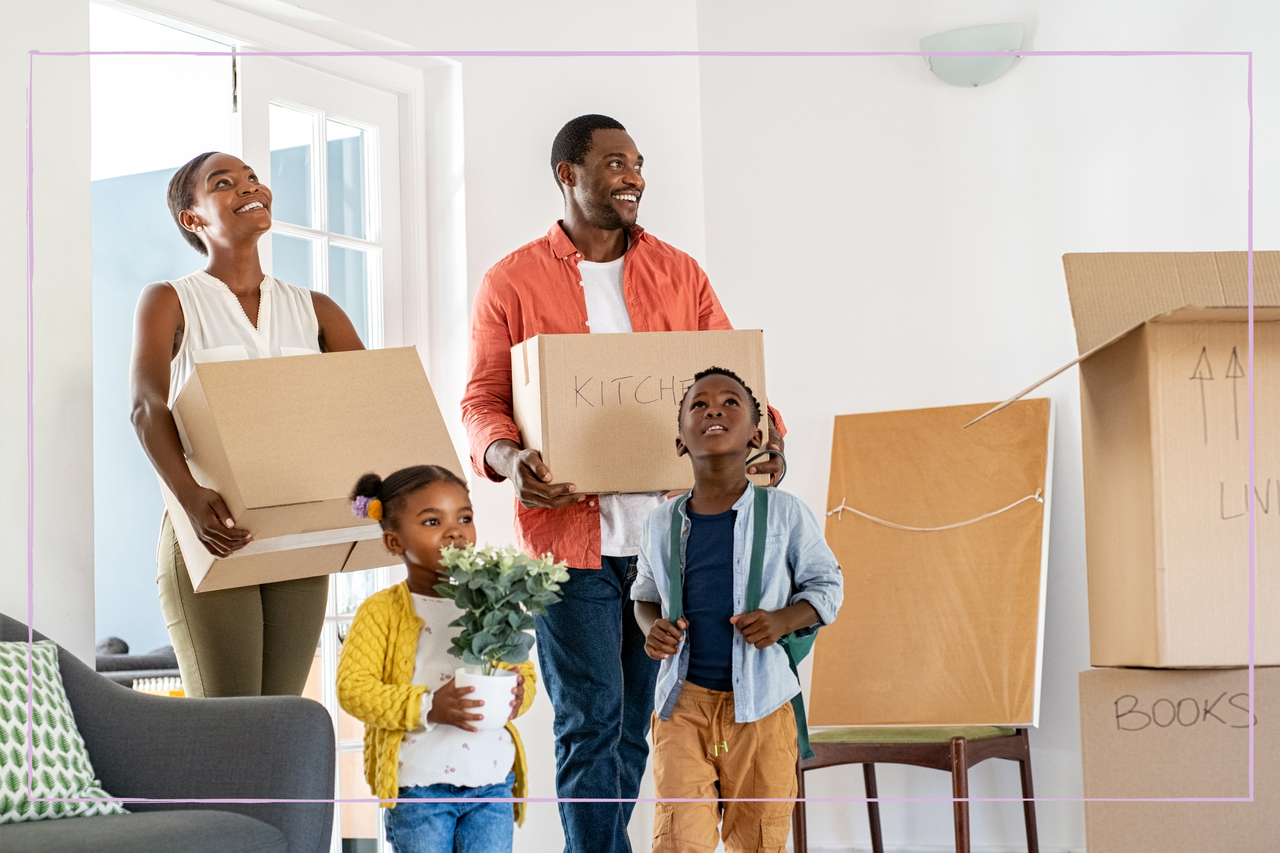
721,742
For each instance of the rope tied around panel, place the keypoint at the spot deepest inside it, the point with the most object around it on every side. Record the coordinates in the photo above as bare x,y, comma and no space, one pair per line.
839,511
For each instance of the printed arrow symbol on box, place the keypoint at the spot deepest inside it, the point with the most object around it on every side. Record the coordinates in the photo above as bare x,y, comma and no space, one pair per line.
1235,372
1203,373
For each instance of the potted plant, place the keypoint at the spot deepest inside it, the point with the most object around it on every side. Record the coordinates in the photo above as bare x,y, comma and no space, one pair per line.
499,591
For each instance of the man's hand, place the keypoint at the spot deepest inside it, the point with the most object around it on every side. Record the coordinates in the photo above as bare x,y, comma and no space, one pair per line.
664,638
771,465
763,628
530,476
518,693
448,708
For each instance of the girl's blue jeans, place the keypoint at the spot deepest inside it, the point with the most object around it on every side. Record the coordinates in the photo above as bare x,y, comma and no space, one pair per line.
462,825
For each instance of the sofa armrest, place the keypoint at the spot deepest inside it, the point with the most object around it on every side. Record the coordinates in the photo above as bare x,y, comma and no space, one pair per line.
261,748
270,747
164,748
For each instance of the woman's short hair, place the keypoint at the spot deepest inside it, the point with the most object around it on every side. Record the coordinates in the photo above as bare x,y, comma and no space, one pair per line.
182,195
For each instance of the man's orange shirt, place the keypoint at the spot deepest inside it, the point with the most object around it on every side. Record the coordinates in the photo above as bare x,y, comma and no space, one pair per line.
536,290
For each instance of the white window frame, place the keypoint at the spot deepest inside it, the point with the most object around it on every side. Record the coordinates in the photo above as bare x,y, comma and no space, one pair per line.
320,235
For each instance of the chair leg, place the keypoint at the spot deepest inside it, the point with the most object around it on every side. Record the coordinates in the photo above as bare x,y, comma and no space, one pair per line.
1028,795
873,808
960,791
799,831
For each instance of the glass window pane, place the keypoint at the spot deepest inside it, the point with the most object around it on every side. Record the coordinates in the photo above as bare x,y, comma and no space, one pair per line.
293,134
352,588
349,285
347,203
293,260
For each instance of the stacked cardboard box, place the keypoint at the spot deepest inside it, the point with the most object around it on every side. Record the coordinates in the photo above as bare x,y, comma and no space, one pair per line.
1165,384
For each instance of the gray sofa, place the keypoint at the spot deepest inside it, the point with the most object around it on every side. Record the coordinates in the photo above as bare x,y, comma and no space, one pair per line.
153,747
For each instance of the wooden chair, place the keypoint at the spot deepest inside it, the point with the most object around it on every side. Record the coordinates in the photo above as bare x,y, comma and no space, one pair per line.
951,749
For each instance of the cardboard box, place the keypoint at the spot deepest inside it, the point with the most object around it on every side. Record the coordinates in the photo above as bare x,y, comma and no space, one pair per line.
1164,386
941,627
1180,734
602,409
283,441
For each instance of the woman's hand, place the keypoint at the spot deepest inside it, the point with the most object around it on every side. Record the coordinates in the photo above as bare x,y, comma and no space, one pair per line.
213,523
518,693
448,708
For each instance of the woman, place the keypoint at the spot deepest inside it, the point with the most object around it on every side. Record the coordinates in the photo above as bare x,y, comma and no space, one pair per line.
256,640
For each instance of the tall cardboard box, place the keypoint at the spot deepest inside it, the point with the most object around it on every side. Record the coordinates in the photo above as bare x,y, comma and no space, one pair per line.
602,409
283,441
1164,385
1180,734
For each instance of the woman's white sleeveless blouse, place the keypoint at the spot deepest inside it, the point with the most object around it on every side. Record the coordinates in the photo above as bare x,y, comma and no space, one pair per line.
216,328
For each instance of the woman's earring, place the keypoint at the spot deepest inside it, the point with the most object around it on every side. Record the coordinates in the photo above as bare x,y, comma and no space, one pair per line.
199,227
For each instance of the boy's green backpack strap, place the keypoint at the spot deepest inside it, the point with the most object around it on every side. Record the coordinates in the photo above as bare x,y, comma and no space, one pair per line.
795,647
760,529
675,573
802,724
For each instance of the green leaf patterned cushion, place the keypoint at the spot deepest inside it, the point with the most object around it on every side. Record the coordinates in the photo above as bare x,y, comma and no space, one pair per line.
54,758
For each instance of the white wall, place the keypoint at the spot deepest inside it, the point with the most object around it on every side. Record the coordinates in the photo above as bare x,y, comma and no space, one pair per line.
900,241
63,520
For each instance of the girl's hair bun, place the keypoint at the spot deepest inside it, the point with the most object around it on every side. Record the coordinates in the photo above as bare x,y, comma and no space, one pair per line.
368,486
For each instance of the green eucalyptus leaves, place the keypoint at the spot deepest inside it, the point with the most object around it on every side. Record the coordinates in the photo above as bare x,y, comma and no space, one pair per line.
499,590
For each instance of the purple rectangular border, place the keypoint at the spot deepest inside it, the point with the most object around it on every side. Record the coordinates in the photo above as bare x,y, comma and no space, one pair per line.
30,318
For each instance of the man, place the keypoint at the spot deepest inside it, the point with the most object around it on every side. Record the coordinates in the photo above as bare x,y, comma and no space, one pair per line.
595,271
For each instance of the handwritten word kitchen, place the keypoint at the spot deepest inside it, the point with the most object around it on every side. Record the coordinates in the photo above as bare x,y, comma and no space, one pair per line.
626,390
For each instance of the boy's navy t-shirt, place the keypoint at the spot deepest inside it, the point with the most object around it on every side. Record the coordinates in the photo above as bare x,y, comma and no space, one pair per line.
708,599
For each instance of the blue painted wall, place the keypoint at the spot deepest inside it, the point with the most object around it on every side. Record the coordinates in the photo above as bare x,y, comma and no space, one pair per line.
135,242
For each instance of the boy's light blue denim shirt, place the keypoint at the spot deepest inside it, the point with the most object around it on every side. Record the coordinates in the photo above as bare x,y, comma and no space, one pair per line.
794,549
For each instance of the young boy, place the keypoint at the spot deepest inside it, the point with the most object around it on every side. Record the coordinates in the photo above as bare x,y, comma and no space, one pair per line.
723,726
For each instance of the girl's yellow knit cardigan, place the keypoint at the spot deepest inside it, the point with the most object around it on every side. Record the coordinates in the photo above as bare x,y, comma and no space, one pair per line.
374,672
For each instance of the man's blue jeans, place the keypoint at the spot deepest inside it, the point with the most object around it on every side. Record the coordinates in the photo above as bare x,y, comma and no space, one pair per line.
601,684
459,826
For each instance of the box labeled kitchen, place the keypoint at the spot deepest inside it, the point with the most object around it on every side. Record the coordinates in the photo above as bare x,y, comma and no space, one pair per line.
602,410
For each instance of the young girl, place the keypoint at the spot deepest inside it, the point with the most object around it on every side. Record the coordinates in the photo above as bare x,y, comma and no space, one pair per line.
396,676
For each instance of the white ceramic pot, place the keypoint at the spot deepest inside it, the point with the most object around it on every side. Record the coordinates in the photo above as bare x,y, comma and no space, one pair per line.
494,690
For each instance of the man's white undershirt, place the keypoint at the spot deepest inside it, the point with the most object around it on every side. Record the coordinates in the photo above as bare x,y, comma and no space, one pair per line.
622,517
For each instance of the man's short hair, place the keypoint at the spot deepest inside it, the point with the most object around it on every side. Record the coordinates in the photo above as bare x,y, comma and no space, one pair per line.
574,140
